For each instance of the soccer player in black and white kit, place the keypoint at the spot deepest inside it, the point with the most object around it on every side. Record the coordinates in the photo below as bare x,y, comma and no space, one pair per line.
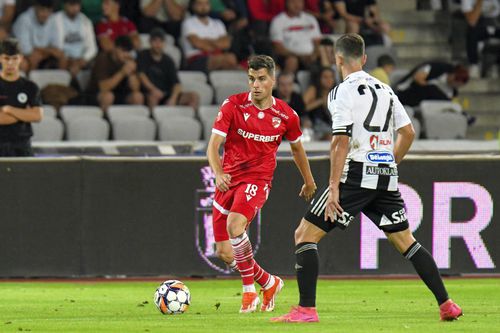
363,178
20,104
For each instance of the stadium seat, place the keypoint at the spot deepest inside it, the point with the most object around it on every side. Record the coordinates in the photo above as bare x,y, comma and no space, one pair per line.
133,128
174,53
443,120
409,111
179,129
187,77
207,117
374,52
304,78
87,129
397,75
70,112
417,127
227,77
224,91
49,129
83,78
166,112
203,90
119,111
49,111
43,77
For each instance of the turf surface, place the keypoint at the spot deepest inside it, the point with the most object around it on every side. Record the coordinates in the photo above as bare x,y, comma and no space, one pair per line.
344,306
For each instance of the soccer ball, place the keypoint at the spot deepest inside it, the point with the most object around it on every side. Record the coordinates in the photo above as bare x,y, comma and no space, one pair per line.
172,297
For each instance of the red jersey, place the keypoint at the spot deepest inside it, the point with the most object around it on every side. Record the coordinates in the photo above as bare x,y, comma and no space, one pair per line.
253,136
115,29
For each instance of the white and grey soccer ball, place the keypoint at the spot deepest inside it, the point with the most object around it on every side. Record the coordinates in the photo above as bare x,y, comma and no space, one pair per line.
172,297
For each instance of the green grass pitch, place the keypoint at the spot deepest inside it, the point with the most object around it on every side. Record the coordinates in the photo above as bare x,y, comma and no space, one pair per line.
343,305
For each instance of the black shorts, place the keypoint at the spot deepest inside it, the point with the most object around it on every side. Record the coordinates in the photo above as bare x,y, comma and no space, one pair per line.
16,149
384,208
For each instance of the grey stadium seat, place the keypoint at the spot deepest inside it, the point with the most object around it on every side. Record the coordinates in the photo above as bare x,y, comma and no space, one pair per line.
304,78
166,112
120,111
70,112
374,52
49,111
204,90
134,128
192,76
173,52
443,120
83,78
179,129
227,77
87,129
223,92
207,117
43,77
49,129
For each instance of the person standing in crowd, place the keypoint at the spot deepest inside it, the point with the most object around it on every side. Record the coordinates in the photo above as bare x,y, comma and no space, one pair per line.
20,103
113,25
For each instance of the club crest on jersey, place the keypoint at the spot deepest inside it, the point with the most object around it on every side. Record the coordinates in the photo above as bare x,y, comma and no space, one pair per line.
22,97
246,116
276,122
204,233
380,157
374,142
260,115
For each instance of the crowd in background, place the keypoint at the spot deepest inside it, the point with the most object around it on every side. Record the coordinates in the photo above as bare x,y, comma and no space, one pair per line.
103,37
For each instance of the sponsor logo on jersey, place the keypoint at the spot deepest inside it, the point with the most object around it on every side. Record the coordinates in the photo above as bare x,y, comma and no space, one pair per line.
345,218
22,97
261,115
246,116
281,114
396,217
219,116
381,171
276,122
258,137
380,157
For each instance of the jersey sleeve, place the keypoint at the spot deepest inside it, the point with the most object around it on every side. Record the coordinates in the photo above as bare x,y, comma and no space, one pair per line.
401,118
34,98
293,132
224,118
340,105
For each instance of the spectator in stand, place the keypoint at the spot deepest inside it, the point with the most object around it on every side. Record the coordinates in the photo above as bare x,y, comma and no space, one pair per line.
205,40
261,13
158,75
113,25
363,17
326,17
385,66
285,91
4,33
77,36
234,14
39,38
296,36
93,10
114,78
482,17
316,102
7,12
326,54
165,14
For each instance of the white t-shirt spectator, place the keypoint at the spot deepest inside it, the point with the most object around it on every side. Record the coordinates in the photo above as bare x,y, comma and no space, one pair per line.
77,37
491,8
193,26
31,34
162,14
296,33
4,3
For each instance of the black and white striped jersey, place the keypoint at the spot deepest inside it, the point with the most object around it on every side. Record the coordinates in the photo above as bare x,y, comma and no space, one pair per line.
369,112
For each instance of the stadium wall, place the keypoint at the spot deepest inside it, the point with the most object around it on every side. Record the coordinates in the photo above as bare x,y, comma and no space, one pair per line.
151,216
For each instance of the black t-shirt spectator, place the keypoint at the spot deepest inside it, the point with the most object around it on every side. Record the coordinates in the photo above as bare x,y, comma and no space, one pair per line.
357,7
22,94
162,73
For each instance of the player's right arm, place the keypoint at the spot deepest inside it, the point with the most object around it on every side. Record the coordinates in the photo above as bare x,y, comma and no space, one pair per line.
6,119
222,180
406,133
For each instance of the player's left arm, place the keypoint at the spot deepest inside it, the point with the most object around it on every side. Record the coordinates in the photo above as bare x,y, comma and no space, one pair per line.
302,163
406,133
28,115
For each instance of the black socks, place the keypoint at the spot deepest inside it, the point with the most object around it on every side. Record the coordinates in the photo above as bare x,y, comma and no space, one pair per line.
307,267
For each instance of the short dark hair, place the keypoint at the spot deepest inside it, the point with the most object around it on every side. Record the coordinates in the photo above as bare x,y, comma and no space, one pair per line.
157,33
350,46
124,42
385,60
45,3
461,73
260,61
9,47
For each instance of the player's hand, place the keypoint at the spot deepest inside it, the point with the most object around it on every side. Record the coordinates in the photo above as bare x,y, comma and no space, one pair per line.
307,191
222,181
333,209
6,109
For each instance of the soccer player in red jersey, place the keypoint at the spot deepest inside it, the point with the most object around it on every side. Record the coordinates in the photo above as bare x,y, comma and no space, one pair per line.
252,124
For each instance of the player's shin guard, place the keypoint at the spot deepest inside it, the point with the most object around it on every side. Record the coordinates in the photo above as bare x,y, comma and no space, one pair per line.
426,268
307,268
243,255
